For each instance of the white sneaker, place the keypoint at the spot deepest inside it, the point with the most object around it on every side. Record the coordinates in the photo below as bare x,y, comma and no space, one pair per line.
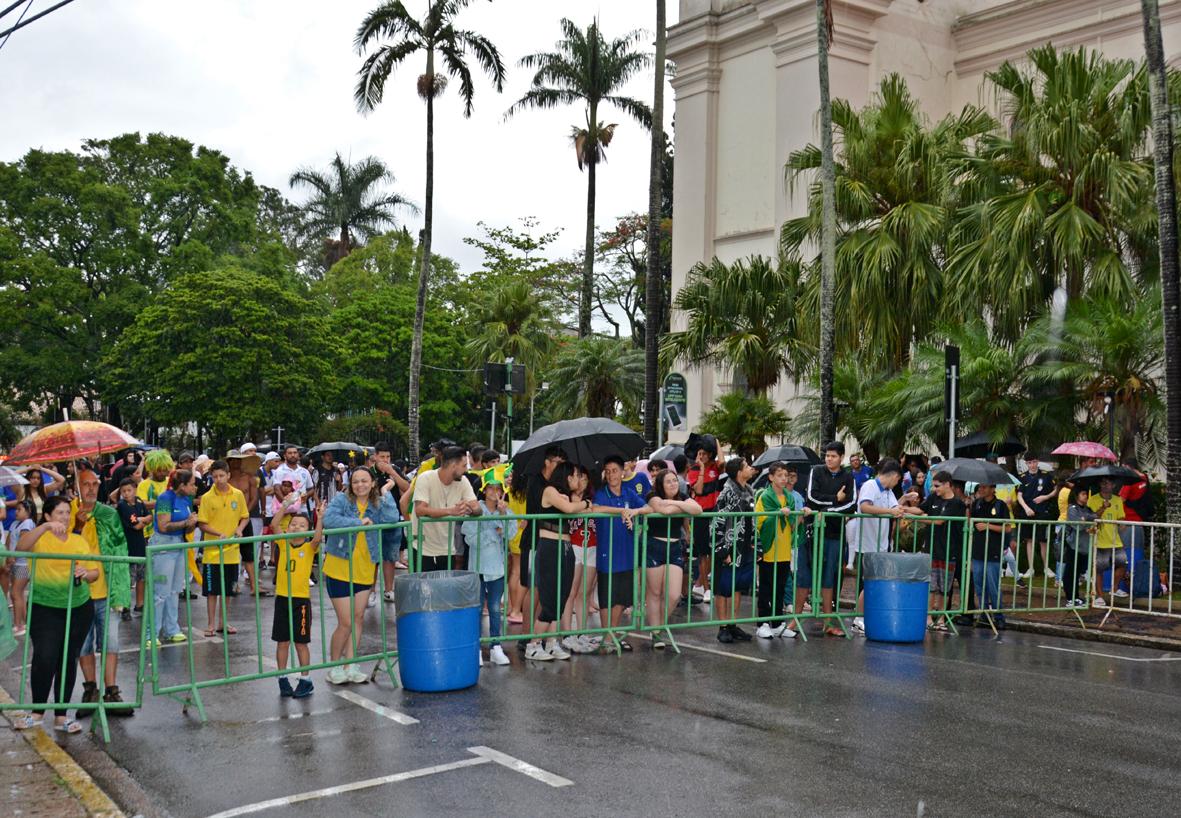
764,631
535,651
311,582
388,596
1008,572
788,633
554,648
338,676
791,609
1099,602
355,675
706,596
496,656
859,624
1120,593
1050,573
372,601
1028,574
570,643
698,590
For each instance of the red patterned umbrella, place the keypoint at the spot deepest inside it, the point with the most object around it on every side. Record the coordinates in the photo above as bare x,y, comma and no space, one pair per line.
71,440
1081,448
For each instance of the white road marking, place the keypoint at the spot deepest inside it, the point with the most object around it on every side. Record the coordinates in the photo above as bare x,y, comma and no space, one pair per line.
520,766
381,710
714,651
368,783
1115,655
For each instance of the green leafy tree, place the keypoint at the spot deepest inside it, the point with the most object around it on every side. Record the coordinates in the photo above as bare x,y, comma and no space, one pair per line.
1066,190
743,317
348,204
447,50
86,239
366,428
855,381
521,254
896,196
387,260
229,350
512,323
586,69
744,422
621,281
596,376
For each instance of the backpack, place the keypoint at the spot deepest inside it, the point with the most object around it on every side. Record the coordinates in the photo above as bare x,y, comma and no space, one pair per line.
1146,582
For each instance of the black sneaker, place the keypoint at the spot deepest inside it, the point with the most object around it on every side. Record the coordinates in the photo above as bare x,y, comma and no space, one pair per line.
285,688
964,621
138,610
739,634
125,614
111,696
89,696
724,635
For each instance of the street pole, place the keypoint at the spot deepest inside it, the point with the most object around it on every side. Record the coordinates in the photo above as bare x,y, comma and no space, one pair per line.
660,418
508,388
492,434
955,372
1109,400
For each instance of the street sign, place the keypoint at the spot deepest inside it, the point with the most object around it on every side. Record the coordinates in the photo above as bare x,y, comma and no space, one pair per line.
676,401
497,380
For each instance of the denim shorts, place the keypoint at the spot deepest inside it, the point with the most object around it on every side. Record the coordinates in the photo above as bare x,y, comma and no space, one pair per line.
98,625
662,552
829,568
391,544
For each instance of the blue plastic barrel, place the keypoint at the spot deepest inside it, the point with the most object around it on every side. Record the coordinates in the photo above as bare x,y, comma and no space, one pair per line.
896,590
438,630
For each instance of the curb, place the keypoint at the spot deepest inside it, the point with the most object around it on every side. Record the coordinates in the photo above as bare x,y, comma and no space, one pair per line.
96,802
1089,635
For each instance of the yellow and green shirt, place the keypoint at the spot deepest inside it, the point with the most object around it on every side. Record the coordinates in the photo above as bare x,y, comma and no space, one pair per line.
364,570
1108,535
89,532
53,579
295,561
148,490
223,513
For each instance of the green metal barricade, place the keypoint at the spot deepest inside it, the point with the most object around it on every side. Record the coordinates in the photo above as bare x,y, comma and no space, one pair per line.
24,699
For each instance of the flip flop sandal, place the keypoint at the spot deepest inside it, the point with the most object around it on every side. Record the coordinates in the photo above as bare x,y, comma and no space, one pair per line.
210,633
229,629
25,723
68,726
625,646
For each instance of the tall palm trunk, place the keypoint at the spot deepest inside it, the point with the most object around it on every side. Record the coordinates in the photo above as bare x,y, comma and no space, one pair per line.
653,320
828,220
588,263
423,276
1170,266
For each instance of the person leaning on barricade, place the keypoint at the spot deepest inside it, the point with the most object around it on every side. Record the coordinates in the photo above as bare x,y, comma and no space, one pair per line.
665,563
831,490
776,530
733,538
443,491
487,542
172,518
946,540
60,592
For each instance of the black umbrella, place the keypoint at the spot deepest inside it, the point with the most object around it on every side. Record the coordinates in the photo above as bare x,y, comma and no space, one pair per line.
1121,475
668,452
790,453
981,445
586,441
340,449
975,471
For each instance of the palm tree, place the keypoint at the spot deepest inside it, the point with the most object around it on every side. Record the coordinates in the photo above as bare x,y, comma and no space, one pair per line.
584,68
1106,347
513,324
742,316
654,282
828,224
347,204
1170,267
1069,192
593,376
854,382
896,197
440,41
744,422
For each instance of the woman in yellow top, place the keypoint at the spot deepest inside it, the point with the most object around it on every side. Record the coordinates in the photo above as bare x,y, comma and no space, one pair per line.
350,565
60,591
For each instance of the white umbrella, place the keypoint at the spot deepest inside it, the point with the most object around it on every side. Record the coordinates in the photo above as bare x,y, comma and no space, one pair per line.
11,477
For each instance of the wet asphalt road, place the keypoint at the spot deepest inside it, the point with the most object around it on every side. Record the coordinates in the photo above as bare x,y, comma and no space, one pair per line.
1023,725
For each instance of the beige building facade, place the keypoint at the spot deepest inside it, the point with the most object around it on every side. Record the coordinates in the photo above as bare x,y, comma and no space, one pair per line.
746,95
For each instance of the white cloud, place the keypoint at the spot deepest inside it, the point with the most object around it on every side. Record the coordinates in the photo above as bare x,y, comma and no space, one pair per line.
270,84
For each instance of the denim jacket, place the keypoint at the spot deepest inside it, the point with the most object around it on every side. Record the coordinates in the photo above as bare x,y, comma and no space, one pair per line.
487,539
342,513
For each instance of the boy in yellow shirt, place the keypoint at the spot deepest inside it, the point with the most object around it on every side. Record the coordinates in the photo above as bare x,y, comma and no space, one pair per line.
293,605
223,514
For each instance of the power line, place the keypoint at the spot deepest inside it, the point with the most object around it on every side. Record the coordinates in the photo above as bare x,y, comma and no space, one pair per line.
32,19
441,369
18,21
10,8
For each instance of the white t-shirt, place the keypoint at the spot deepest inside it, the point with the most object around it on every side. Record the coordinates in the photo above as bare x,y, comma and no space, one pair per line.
429,489
867,535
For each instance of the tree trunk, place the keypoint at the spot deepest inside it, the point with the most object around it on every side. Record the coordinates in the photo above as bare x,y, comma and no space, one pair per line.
654,281
827,231
423,280
588,263
1170,267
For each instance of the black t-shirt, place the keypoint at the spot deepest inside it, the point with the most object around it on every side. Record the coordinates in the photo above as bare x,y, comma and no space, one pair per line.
1035,485
946,541
135,537
989,545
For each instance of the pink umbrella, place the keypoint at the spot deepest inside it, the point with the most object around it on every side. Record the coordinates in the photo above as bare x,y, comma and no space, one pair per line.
1081,448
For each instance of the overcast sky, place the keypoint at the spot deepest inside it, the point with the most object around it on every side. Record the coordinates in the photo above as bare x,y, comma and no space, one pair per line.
270,82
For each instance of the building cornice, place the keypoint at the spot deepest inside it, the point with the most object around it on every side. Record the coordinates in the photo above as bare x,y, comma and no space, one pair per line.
986,39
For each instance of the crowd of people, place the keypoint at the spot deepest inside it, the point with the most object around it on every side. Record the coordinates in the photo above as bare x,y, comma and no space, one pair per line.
566,575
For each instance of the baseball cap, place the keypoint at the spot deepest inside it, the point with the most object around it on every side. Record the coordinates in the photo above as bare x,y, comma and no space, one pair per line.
248,447
271,456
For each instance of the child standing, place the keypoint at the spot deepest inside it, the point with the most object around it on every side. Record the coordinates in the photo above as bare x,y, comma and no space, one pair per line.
20,565
293,605
487,543
134,516
222,515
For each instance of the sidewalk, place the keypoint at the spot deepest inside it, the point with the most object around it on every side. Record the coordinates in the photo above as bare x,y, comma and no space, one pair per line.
40,780
1122,628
